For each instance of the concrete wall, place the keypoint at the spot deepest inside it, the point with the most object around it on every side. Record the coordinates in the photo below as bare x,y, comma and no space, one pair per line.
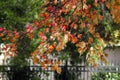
113,55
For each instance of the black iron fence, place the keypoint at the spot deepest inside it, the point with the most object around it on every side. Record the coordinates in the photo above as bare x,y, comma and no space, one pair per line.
68,73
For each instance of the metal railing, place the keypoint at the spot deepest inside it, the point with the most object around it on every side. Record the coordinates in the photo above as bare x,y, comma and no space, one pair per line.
69,72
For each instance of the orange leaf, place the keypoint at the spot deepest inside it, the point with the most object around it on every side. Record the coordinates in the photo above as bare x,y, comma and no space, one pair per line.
58,70
1,34
13,39
35,60
95,65
90,40
51,47
100,17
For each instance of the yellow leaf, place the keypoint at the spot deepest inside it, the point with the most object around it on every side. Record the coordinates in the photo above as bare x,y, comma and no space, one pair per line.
81,44
104,60
58,70
108,4
116,33
95,20
90,60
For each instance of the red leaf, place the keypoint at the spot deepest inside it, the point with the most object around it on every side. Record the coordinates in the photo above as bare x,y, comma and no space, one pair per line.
64,27
28,28
2,29
96,1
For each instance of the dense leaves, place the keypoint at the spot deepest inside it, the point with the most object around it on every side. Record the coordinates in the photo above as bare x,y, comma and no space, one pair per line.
16,14
85,24
65,28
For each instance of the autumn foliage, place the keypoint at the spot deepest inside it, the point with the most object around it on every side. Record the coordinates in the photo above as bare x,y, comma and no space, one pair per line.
85,24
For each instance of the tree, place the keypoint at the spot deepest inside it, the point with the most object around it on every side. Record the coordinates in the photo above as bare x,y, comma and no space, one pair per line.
66,28
15,15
